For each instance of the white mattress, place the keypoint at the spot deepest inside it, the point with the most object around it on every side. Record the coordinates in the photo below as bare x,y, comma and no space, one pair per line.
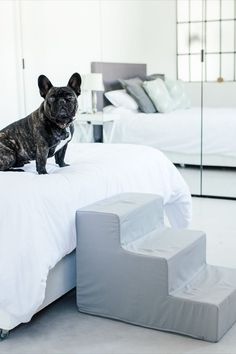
38,212
179,132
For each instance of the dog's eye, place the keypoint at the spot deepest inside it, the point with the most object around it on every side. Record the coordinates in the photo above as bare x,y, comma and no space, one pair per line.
51,99
70,98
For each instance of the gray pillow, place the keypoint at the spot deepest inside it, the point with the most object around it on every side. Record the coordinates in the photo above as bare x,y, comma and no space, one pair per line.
154,77
157,91
134,89
132,81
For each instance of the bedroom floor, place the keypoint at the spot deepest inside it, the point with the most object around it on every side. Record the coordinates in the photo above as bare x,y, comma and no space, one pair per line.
60,329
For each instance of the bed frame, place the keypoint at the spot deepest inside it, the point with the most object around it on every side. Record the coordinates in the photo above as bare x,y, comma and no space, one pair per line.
111,72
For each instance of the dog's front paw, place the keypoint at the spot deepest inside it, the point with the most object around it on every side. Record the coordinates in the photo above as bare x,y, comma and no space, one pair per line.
42,172
63,164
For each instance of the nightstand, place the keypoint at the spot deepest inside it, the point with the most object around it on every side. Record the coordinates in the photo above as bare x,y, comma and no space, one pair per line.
96,119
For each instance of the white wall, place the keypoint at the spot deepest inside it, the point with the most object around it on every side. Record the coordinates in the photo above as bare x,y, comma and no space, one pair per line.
10,98
214,94
59,37
138,31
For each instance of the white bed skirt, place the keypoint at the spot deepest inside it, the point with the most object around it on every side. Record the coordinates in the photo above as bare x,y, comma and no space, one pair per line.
61,279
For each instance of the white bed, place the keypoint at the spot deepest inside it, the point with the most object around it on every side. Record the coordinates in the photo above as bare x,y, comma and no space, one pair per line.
37,227
178,133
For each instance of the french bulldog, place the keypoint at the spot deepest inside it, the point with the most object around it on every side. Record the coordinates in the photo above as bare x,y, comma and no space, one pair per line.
45,132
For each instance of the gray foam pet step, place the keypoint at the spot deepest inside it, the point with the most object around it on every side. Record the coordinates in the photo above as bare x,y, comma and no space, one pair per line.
132,268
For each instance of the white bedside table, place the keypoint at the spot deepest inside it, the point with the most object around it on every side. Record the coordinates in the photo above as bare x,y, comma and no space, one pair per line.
99,118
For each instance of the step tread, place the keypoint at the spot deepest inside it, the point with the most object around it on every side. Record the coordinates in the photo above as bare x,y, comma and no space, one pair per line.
125,204
212,285
166,243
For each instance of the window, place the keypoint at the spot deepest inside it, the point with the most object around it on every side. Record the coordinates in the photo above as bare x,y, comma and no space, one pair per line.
209,25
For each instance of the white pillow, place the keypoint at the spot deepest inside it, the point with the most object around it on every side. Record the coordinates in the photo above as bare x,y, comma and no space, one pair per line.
178,94
159,95
120,98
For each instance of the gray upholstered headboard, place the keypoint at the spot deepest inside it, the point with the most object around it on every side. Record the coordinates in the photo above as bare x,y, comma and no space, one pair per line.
114,71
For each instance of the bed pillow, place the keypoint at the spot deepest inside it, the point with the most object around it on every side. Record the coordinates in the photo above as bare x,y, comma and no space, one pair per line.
159,95
132,81
120,98
154,77
134,88
177,92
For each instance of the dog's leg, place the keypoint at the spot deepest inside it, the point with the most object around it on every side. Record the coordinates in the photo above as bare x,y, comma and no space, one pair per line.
41,159
7,158
3,334
60,155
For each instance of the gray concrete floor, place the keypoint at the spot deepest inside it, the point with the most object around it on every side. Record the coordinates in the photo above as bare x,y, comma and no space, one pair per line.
60,329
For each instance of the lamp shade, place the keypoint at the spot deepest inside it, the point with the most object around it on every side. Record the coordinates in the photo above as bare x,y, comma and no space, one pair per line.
92,82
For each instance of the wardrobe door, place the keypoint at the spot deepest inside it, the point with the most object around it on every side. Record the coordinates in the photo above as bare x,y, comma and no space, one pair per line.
11,106
190,71
59,38
157,33
219,89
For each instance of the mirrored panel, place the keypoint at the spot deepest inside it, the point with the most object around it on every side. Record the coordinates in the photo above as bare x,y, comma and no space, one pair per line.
219,104
190,70
219,149
147,41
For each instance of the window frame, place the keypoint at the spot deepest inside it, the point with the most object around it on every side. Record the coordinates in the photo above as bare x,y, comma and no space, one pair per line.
204,53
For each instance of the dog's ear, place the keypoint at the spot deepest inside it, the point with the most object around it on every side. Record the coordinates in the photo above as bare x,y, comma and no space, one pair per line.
44,85
75,83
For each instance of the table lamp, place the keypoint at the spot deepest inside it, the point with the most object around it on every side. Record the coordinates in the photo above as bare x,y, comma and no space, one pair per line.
93,82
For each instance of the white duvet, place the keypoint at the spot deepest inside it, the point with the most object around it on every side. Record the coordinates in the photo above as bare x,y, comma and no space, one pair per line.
37,212
179,131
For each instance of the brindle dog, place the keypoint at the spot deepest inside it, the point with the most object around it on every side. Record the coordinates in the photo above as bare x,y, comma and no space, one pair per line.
38,136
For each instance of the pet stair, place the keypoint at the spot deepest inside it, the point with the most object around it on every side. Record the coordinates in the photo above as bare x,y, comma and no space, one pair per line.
132,268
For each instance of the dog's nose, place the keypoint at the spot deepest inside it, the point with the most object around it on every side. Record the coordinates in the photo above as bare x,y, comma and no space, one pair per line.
62,101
